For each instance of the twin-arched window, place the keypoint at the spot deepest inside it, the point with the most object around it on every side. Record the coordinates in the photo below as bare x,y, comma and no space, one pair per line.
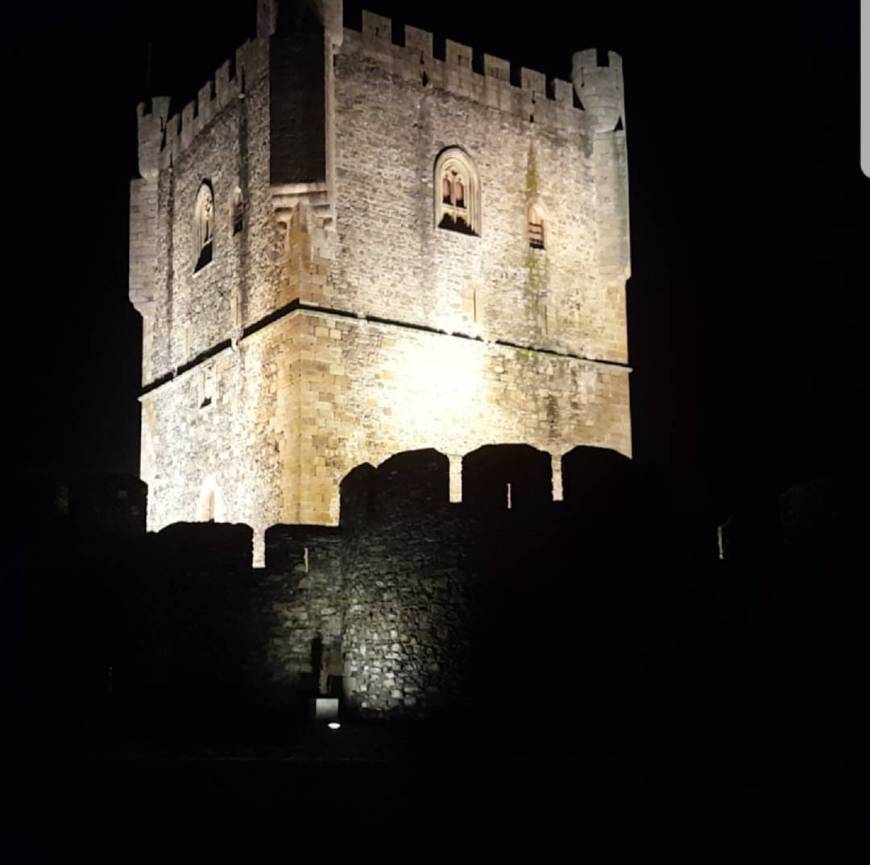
457,192
457,198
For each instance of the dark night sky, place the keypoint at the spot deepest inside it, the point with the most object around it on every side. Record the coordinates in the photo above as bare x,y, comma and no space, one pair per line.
750,221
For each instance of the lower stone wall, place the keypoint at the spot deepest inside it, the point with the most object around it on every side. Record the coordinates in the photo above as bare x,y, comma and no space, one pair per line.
414,604
186,632
408,625
298,610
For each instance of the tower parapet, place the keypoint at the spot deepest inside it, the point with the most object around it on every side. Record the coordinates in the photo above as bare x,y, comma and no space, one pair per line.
143,203
517,90
599,88
231,81
151,127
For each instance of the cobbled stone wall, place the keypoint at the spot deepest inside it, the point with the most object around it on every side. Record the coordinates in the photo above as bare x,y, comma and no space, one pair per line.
408,596
408,592
299,600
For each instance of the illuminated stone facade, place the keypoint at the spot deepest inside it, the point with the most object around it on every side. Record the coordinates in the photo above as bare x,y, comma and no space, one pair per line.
336,318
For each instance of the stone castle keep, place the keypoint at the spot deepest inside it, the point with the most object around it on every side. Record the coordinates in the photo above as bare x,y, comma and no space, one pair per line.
346,248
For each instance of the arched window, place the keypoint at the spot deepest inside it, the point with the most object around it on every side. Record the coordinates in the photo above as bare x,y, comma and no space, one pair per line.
203,225
237,211
457,199
536,227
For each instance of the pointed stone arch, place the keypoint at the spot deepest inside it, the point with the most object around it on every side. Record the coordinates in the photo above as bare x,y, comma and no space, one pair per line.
457,192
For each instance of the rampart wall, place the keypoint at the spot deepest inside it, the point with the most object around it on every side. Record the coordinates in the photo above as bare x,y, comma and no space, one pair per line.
412,591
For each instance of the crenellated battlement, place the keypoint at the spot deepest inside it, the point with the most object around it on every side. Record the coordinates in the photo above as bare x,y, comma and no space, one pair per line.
489,481
162,138
515,89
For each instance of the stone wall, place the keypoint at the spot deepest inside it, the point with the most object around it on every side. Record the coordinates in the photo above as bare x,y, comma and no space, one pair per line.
407,638
393,262
218,440
413,604
371,389
299,602
184,614
414,598
221,137
199,309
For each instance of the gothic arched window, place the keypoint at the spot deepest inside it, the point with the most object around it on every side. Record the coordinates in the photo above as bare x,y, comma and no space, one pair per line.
203,225
457,199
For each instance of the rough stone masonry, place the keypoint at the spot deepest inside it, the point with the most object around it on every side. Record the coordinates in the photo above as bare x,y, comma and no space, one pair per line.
345,248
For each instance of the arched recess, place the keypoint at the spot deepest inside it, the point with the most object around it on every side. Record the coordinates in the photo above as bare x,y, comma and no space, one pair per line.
457,192
509,476
210,505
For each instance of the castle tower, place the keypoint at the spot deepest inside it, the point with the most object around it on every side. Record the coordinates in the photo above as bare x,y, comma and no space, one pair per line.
345,248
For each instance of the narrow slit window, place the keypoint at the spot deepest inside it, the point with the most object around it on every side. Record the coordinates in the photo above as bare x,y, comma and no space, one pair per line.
237,211
536,229
203,217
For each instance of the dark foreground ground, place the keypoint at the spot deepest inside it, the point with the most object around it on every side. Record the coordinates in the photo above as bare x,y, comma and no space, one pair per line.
400,794
652,702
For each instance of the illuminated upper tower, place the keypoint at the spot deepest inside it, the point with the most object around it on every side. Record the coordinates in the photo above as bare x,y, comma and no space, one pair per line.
345,248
